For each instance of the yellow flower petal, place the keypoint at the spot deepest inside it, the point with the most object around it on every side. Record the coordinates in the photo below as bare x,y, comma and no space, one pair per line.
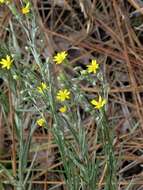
94,102
104,102
100,99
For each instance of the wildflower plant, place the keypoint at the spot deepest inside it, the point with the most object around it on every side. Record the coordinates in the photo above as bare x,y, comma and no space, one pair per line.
61,98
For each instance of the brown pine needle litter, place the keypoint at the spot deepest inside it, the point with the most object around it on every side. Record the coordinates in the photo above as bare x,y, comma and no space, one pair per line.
71,95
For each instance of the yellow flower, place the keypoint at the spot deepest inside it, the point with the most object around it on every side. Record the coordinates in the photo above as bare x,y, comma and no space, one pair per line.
41,122
2,1
92,68
62,95
42,87
63,109
26,9
7,62
99,104
60,57
5,1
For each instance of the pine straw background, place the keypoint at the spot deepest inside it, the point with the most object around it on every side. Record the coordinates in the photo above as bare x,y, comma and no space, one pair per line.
112,32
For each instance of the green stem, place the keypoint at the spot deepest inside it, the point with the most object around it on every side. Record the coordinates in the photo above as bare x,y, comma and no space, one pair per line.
107,138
